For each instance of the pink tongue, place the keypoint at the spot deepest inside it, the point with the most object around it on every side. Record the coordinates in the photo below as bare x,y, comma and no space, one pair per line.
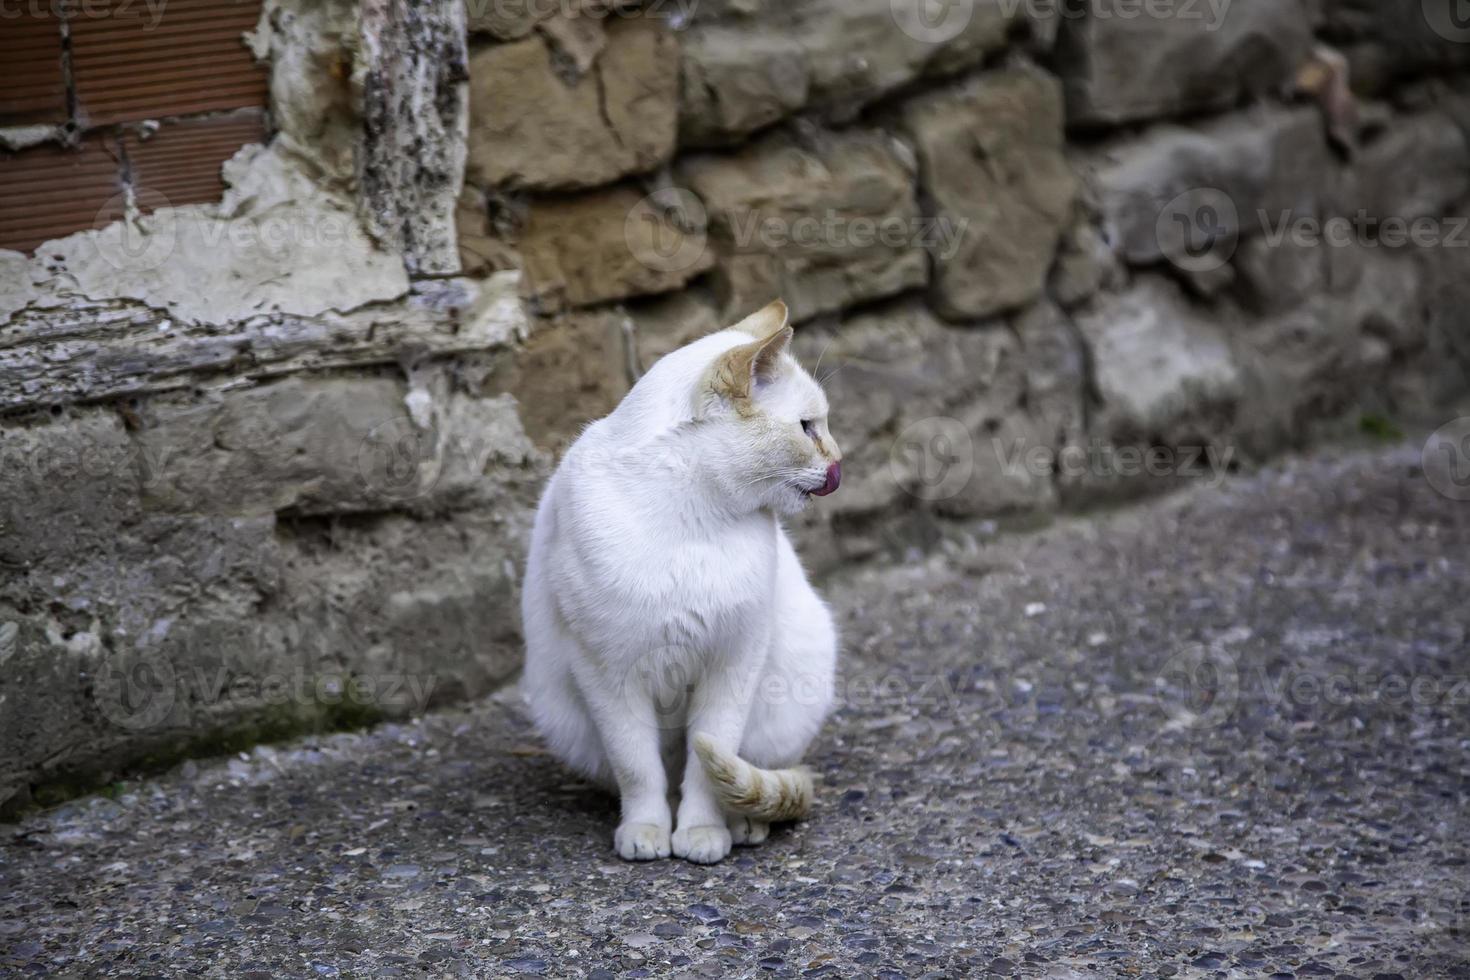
834,477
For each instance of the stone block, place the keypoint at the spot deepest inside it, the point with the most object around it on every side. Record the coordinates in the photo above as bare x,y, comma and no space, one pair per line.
749,64
611,244
130,633
991,161
823,223
1056,371
1175,192
860,50
669,322
1156,359
917,407
323,446
574,369
737,79
1171,59
1418,168
1389,39
535,126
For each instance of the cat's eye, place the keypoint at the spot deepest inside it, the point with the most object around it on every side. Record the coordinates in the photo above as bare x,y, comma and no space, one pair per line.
810,428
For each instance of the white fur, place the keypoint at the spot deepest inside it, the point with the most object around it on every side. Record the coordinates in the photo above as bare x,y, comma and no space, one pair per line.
662,596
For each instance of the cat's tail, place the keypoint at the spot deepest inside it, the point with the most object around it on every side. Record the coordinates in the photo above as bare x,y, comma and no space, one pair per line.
771,795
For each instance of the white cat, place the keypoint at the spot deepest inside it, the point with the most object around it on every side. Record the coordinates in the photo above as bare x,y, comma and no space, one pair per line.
671,634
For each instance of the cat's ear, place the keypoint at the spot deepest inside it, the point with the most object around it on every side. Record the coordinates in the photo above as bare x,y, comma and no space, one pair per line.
767,360
740,369
764,321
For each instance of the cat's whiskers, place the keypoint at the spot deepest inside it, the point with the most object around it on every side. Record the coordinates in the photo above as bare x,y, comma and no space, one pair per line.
831,374
786,473
832,339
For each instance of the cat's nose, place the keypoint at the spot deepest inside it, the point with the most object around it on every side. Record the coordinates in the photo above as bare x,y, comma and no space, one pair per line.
834,477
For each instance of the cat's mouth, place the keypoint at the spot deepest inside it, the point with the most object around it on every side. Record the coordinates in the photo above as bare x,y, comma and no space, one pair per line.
834,478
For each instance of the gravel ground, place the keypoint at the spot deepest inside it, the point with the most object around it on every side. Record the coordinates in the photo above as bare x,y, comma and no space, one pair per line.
1222,735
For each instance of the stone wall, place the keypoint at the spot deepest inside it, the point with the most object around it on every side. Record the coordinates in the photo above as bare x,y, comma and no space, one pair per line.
1046,254
268,464
257,474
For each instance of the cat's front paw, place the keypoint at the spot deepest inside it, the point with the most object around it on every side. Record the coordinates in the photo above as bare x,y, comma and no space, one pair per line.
744,830
641,842
702,845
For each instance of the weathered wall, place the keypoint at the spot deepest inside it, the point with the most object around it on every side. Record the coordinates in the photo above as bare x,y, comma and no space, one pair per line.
1046,254
107,92
269,463
253,477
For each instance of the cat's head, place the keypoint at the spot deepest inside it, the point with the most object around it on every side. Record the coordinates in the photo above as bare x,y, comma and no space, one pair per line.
766,419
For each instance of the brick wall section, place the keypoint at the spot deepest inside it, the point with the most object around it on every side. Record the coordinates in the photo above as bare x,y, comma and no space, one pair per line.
34,92
181,162
49,188
181,65
127,66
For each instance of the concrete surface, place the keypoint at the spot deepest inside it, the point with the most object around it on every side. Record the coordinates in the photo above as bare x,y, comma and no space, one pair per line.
1225,734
